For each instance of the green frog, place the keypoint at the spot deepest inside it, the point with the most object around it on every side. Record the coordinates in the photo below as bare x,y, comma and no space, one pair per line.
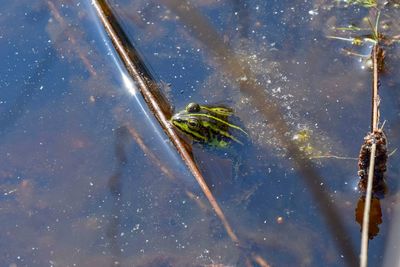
209,125
216,130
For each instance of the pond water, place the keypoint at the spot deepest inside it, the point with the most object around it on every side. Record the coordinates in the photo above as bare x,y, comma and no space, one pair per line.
89,178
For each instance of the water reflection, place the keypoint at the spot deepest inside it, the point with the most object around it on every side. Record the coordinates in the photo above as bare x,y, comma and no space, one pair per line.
375,215
122,139
52,193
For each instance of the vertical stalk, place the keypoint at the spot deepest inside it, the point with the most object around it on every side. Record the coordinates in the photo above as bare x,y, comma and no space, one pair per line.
374,127
367,208
375,97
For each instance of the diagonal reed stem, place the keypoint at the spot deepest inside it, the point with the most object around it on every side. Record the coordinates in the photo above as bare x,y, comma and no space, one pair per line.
113,28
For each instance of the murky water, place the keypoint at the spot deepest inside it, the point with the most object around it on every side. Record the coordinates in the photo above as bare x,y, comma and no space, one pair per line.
88,177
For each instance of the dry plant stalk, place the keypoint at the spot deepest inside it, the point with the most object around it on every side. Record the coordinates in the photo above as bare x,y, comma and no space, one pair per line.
367,208
375,144
375,87
259,260
105,15
379,139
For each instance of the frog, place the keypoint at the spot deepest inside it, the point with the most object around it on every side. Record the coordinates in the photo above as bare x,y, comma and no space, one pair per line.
216,131
209,125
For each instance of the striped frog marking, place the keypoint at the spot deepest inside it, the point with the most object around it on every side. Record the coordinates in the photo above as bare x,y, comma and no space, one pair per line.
209,125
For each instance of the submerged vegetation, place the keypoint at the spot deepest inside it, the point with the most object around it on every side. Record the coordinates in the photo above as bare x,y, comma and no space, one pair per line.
373,153
367,36
364,3
370,30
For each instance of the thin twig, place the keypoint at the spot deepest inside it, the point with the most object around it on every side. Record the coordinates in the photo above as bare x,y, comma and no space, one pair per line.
351,53
332,157
392,153
367,208
375,96
374,127
260,261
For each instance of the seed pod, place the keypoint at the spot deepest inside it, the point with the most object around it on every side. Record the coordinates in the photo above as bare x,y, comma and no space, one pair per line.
379,185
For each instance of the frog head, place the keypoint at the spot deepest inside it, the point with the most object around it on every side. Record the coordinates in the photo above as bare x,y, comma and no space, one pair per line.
208,125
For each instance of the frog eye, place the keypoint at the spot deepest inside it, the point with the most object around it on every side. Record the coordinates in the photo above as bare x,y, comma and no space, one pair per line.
193,107
193,123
